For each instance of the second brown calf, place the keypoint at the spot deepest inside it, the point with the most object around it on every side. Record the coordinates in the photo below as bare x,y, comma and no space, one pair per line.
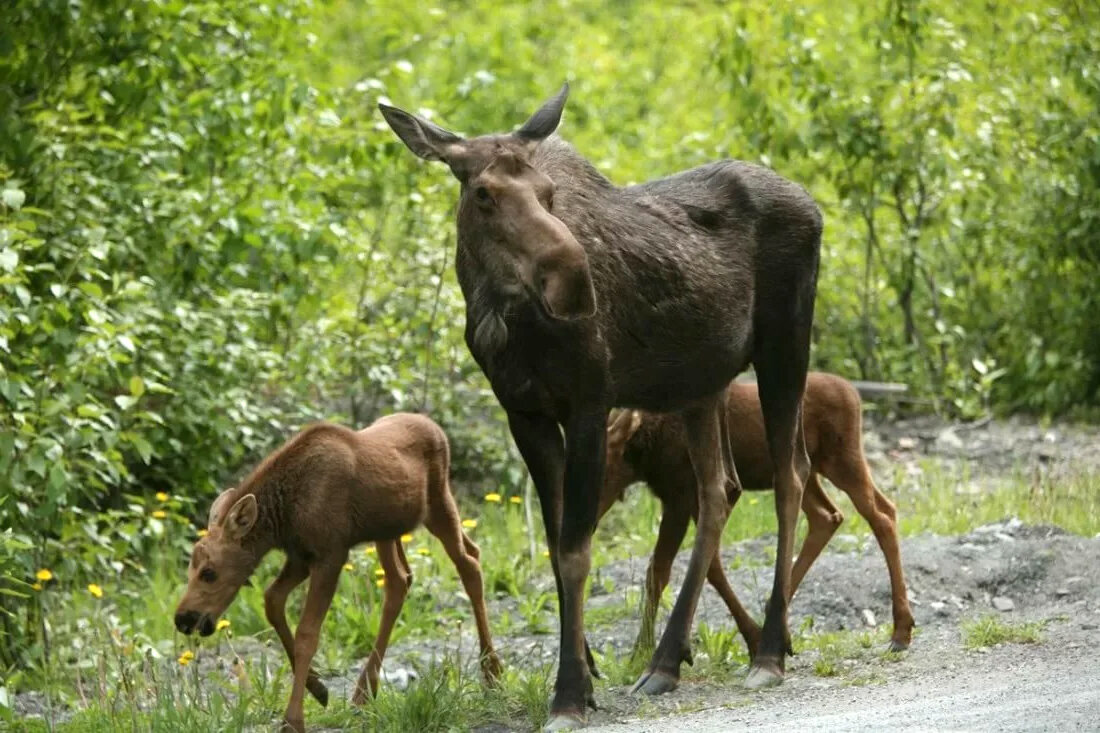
652,448
324,491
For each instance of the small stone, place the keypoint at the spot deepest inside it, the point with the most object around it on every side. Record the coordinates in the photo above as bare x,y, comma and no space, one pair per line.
1062,592
907,443
1003,604
939,607
1089,627
948,440
1074,579
869,618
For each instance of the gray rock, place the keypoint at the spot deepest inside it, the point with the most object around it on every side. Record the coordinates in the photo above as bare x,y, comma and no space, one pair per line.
1003,604
869,618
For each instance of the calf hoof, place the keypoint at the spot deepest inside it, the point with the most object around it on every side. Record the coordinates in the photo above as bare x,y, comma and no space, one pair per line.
897,645
763,674
491,668
297,725
317,688
655,682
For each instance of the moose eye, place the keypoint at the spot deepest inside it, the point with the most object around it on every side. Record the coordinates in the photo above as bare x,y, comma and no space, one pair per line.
482,195
207,575
550,203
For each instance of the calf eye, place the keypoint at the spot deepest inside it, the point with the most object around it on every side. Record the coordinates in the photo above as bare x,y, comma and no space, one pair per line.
483,196
207,575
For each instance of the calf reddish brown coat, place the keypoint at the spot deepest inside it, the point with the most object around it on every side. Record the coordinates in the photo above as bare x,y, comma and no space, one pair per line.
651,448
324,491
582,296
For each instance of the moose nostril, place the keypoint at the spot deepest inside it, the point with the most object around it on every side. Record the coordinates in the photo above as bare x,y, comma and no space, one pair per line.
206,628
185,621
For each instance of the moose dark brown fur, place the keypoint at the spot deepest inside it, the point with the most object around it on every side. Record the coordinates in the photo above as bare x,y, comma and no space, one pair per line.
582,296
652,448
324,491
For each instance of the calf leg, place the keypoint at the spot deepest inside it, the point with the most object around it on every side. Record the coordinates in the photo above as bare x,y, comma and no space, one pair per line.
706,451
323,577
674,524
290,577
750,630
854,477
823,517
447,526
398,578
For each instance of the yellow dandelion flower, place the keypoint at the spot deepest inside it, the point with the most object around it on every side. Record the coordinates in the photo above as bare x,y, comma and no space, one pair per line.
379,573
381,582
469,523
546,553
162,496
36,586
516,499
753,501
222,624
95,590
186,658
493,498
44,575
348,566
369,550
203,533
406,538
160,514
423,551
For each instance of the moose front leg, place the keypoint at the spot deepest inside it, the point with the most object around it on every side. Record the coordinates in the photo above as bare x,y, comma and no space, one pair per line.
707,459
585,440
540,443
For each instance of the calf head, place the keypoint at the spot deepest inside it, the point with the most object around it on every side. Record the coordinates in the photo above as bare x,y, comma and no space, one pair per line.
221,563
506,209
618,472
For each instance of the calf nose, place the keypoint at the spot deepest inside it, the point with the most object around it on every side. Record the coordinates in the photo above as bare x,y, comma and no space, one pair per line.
186,621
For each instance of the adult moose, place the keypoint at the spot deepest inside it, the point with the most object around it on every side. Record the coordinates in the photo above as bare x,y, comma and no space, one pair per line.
582,296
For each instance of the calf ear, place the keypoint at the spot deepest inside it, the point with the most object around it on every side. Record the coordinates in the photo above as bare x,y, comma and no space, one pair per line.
427,140
218,508
241,517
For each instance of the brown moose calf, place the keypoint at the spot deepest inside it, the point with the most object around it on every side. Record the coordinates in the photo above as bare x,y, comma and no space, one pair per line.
324,491
652,448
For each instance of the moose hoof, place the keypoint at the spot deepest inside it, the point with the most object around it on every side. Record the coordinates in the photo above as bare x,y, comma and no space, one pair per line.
655,683
565,721
761,676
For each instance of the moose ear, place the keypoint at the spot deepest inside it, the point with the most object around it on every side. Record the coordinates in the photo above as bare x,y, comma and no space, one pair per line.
242,516
427,140
623,424
543,123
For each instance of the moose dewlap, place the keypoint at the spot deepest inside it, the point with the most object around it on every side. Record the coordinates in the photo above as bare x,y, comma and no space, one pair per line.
324,491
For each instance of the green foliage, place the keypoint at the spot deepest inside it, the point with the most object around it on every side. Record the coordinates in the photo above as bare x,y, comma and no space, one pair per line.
208,236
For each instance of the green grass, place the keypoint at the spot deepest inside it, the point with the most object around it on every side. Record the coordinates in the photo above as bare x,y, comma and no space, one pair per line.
990,630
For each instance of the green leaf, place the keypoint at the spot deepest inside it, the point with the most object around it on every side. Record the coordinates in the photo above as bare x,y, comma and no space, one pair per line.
125,401
9,259
137,386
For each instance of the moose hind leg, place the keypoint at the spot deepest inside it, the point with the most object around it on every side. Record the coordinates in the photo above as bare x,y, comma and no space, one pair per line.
782,319
706,452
